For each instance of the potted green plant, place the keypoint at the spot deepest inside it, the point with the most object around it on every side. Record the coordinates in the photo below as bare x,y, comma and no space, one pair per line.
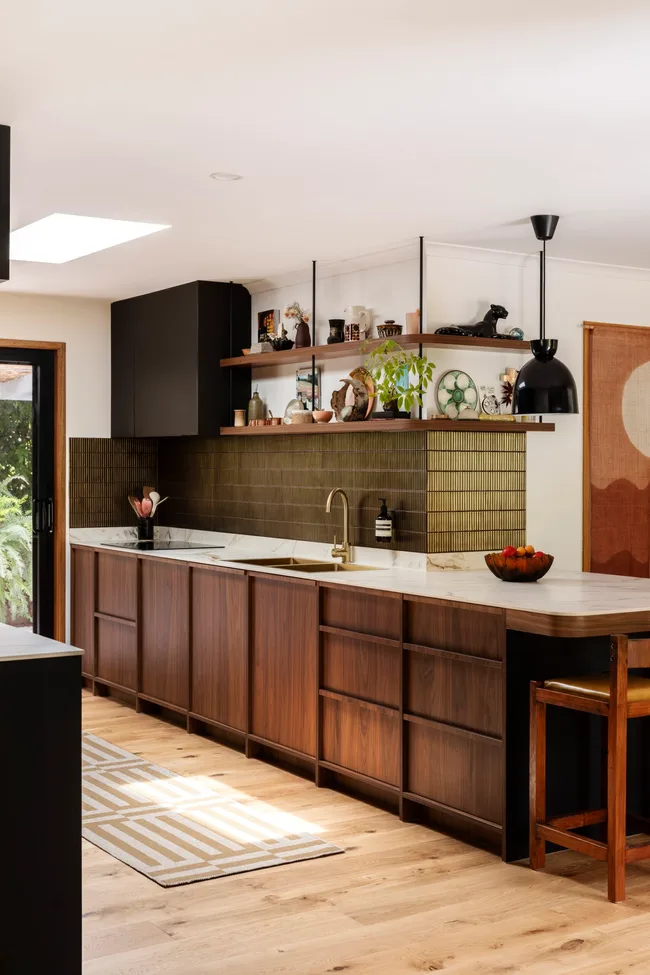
401,378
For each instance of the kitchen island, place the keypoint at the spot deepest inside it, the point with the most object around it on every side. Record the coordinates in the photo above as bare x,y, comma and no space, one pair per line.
40,815
409,687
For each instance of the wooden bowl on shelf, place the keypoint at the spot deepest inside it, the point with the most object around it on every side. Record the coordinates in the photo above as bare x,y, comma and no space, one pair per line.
323,416
518,568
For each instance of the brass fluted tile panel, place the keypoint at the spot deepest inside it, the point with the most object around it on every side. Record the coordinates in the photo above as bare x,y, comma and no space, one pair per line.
476,490
484,541
459,481
498,500
475,441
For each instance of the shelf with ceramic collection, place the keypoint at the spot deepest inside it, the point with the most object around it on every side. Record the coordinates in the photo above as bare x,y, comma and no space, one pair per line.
394,426
341,350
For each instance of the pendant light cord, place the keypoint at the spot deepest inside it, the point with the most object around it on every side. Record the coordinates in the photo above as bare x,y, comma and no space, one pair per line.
542,292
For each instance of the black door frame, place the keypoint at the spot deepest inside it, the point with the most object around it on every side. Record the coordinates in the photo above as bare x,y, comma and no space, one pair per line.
49,487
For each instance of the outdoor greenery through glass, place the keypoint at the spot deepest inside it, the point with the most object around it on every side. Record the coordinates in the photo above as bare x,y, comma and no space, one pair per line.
15,511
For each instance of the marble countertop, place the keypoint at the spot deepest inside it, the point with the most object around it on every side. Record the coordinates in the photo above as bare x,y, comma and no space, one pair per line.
19,643
560,593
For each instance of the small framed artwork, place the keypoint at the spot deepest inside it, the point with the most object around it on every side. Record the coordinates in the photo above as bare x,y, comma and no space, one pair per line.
267,323
306,384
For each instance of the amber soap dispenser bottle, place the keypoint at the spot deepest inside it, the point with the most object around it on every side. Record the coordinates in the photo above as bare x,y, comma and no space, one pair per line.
384,524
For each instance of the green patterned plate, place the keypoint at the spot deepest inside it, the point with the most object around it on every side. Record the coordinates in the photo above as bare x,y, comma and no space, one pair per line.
456,392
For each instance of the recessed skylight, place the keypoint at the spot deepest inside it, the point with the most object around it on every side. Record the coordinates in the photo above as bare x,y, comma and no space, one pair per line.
64,237
226,177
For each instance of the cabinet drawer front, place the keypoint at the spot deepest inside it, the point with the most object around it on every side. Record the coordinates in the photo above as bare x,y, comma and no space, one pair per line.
361,612
165,631
360,739
117,653
361,669
466,693
219,647
117,590
456,768
461,630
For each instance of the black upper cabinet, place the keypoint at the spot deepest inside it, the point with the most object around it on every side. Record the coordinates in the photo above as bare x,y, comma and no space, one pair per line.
5,179
165,351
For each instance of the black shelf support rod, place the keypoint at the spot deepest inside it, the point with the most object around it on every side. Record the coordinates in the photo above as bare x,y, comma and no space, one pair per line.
313,334
421,303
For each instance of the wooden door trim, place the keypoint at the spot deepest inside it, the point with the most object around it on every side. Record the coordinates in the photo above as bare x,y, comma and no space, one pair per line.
60,501
586,444
587,349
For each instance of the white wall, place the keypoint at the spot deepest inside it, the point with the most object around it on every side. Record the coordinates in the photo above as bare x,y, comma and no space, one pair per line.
576,292
460,285
390,290
84,325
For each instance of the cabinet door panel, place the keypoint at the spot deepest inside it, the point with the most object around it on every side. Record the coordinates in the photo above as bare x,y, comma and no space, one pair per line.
82,605
117,653
219,627
165,631
284,646
117,588
124,347
166,372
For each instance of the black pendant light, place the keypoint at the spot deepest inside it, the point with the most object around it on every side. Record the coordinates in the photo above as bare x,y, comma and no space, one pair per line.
544,385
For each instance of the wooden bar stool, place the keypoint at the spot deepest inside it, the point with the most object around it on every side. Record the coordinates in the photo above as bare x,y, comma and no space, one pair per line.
617,699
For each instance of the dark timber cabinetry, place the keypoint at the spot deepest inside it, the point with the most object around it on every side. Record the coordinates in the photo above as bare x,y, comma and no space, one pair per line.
397,697
421,703
165,351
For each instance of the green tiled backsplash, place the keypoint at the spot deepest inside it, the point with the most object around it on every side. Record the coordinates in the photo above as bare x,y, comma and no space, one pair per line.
451,491
278,485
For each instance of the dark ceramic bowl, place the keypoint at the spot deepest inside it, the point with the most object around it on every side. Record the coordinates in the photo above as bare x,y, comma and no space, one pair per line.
518,568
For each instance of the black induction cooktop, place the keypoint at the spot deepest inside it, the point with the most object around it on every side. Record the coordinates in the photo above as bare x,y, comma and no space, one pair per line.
160,546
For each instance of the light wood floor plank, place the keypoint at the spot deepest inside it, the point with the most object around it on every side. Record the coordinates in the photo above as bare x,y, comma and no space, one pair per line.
402,899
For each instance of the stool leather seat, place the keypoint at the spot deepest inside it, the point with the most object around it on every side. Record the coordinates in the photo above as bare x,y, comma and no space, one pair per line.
597,688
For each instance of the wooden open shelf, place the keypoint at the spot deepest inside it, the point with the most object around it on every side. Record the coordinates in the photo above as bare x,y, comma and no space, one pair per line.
393,426
346,349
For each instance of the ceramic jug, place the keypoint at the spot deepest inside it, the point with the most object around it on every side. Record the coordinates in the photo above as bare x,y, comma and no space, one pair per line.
357,315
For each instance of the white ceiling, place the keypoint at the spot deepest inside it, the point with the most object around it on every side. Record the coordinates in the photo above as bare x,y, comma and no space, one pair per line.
354,123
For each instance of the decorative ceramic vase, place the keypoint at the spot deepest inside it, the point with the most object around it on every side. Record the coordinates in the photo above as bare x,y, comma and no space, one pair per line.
337,326
256,408
145,529
412,322
303,338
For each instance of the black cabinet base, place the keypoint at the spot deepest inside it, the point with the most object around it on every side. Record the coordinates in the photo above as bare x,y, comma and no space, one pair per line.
40,816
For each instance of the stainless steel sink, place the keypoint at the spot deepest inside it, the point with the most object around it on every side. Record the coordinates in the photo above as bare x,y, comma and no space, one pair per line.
305,565
276,561
332,567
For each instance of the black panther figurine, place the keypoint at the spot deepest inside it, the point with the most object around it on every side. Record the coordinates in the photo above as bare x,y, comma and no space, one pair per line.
487,329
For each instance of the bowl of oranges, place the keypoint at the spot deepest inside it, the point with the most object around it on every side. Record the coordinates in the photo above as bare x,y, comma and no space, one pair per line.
522,564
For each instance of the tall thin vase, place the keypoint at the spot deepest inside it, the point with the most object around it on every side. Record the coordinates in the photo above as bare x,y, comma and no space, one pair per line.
145,529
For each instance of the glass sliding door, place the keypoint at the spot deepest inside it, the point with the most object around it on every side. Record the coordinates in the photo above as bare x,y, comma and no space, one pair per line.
27,488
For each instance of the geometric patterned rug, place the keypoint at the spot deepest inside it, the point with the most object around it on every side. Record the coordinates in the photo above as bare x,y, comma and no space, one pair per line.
177,829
